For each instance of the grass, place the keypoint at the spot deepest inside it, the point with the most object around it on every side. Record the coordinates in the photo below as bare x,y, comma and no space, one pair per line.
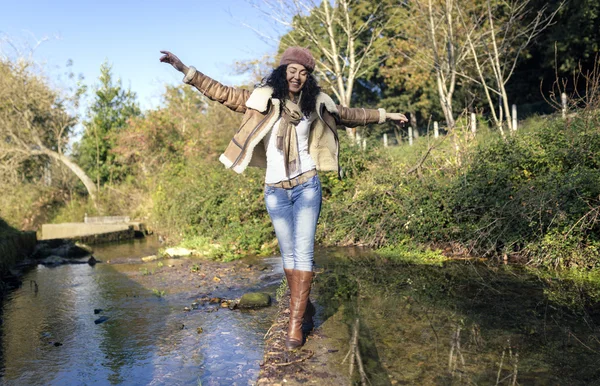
281,290
414,254
158,293
146,272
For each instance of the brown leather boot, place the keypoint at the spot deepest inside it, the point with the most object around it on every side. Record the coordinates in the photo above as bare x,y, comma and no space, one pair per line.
301,281
307,319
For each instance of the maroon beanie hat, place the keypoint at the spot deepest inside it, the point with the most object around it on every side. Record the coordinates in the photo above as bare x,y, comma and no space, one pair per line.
298,55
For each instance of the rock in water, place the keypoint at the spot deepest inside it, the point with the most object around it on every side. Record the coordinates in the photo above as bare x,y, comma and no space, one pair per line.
53,260
84,247
178,252
150,258
255,300
101,319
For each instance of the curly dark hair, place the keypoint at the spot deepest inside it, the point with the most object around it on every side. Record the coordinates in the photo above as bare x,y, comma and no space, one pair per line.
278,81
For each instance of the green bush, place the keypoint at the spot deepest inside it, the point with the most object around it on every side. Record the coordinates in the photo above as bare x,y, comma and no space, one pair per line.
129,198
205,203
535,193
382,205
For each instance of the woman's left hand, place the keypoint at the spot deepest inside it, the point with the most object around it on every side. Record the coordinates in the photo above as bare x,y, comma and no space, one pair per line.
401,118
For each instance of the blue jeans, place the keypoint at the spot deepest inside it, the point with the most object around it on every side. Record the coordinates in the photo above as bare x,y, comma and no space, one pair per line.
294,213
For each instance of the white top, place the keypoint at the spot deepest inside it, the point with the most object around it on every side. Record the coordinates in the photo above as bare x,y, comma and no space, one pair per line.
275,164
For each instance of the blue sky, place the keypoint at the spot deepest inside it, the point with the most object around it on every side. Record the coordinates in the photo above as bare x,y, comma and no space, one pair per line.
208,34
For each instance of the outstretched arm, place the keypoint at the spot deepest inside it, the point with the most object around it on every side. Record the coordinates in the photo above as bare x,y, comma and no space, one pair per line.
352,117
232,97
397,117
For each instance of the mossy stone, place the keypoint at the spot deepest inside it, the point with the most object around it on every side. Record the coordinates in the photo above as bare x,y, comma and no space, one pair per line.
255,300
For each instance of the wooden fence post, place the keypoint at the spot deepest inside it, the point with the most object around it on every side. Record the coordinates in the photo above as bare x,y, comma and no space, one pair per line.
514,117
436,130
385,140
413,123
473,123
410,135
563,99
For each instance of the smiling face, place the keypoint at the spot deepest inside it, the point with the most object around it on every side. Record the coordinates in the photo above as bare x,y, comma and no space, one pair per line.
296,76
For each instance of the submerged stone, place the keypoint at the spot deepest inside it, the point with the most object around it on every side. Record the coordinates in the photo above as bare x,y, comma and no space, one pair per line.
178,252
53,260
101,319
84,247
60,248
254,300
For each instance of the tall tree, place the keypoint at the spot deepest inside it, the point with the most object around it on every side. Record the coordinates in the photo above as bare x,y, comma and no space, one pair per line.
407,82
429,47
34,121
498,45
472,43
571,44
342,34
113,106
187,126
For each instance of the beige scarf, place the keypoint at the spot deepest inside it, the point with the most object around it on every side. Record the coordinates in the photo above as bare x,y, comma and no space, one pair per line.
287,140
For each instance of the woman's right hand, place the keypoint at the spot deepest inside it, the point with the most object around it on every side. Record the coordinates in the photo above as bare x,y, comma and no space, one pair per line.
173,60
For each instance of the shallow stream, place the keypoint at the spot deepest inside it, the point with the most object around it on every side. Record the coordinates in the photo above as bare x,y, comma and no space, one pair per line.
53,336
461,322
455,323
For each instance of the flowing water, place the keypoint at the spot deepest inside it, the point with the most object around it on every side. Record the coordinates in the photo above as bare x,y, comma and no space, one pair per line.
458,323
50,337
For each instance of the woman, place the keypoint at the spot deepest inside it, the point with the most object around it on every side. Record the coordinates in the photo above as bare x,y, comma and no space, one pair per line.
289,128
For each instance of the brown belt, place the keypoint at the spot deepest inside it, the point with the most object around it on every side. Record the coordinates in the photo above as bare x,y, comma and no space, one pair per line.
298,180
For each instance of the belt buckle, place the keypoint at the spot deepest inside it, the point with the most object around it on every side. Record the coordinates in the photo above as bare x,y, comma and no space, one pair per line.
298,180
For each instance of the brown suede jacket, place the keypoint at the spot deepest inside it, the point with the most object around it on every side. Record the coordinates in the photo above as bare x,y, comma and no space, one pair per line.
261,111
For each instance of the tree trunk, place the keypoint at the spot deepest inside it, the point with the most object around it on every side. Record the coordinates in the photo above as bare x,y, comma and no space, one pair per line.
83,177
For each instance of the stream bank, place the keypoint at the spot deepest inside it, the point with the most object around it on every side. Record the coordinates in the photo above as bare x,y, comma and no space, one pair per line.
14,247
444,323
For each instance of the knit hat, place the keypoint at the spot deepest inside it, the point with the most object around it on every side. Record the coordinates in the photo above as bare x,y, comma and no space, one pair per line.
298,55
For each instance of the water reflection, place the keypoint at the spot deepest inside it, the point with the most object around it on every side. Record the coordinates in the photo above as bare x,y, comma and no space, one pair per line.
50,337
460,323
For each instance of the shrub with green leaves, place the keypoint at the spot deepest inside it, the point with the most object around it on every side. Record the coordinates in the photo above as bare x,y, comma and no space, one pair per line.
209,205
535,195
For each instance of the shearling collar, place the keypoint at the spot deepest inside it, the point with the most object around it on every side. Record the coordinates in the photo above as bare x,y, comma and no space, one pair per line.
259,100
